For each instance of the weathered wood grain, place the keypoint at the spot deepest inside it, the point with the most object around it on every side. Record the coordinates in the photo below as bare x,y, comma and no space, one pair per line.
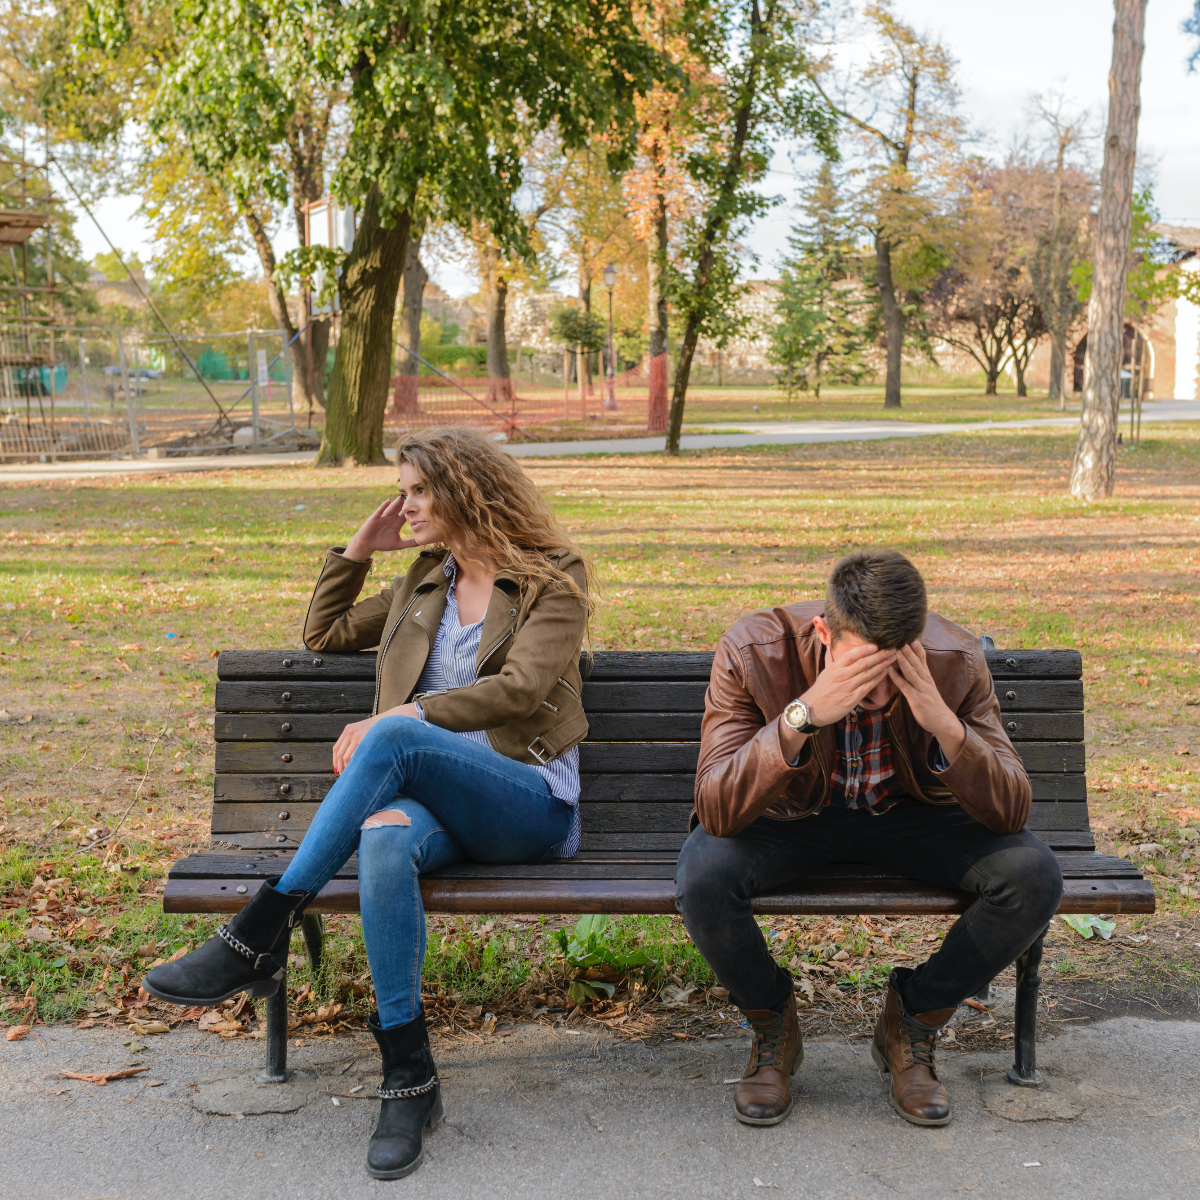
658,896
605,664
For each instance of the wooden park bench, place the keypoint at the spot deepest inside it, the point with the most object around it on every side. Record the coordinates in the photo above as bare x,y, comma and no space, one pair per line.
278,713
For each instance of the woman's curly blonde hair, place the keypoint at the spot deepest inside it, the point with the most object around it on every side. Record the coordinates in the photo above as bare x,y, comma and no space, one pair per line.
481,491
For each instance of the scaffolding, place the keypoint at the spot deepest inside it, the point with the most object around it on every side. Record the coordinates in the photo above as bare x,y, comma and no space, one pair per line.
27,342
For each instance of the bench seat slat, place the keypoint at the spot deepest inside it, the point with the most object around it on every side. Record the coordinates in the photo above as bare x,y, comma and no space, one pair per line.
658,896
1074,865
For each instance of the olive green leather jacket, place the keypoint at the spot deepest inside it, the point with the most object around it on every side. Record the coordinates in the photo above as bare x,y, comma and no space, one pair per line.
527,694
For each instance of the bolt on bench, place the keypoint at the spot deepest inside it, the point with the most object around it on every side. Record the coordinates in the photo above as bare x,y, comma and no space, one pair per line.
280,711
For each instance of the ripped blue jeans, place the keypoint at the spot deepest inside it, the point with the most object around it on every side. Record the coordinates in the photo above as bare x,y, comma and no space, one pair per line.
458,800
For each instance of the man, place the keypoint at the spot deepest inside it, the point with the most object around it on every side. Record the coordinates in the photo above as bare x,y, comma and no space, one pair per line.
862,729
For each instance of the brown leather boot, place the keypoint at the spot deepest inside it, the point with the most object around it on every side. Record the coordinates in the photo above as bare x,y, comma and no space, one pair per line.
903,1051
763,1095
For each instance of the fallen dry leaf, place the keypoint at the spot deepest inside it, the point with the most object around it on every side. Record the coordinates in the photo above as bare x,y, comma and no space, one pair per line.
17,1032
214,1021
147,1028
101,1078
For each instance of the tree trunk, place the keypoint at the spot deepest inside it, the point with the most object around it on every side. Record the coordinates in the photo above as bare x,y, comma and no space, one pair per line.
358,390
893,320
656,404
990,388
714,222
407,367
585,298
1094,468
297,347
683,371
495,285
1058,364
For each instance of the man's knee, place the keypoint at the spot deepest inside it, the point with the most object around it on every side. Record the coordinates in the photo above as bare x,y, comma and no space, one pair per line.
710,874
1030,880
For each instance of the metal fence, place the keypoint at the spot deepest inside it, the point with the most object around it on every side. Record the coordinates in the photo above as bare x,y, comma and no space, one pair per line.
515,407
89,393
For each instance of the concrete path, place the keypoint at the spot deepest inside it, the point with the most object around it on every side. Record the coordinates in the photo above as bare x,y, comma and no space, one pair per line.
765,433
534,1113
787,433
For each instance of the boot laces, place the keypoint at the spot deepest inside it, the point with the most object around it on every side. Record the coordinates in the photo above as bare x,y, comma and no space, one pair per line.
919,1040
767,1050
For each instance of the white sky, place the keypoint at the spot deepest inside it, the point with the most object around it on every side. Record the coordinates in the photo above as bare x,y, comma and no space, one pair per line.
1005,55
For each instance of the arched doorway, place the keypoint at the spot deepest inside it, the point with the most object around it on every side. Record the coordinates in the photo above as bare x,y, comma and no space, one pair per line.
1138,357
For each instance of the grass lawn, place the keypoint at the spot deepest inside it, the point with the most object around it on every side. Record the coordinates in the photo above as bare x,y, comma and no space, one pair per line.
115,595
929,404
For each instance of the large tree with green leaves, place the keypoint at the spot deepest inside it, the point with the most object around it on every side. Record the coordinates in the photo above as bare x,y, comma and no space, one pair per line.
901,108
434,100
759,89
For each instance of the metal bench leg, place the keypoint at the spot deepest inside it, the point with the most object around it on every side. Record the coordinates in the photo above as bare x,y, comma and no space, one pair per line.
314,939
984,994
277,1028
1024,1070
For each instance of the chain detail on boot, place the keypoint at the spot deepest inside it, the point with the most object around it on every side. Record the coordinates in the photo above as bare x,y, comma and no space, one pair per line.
403,1093
247,954
241,947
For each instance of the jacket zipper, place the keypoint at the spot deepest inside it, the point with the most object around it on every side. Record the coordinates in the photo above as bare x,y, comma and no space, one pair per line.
379,660
569,688
491,652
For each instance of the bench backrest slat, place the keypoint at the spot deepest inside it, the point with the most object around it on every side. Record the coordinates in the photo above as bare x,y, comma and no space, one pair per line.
275,726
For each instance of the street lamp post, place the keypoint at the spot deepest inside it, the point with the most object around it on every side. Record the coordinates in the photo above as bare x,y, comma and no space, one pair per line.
610,281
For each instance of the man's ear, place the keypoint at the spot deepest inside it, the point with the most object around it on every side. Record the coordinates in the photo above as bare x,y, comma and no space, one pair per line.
822,628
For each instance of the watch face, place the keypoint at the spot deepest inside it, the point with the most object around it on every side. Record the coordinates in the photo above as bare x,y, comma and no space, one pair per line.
796,714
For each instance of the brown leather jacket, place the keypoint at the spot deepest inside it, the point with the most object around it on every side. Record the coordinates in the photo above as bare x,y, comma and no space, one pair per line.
528,692
771,657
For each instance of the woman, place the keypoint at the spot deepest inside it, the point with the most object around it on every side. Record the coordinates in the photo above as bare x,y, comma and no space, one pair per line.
470,752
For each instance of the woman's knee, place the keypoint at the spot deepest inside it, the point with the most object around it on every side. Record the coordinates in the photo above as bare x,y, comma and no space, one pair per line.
396,733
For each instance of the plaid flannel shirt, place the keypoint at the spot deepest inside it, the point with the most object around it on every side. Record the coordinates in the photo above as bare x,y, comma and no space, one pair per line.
863,776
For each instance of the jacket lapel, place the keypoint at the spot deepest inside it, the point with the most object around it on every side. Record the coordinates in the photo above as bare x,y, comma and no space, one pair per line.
409,642
503,612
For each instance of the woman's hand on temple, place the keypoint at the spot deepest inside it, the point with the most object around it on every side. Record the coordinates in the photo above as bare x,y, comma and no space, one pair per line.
347,743
380,531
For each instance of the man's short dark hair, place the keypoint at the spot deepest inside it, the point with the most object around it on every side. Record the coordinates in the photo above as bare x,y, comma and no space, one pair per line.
879,595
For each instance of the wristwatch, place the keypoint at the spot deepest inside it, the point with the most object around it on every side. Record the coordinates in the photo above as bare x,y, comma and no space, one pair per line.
798,717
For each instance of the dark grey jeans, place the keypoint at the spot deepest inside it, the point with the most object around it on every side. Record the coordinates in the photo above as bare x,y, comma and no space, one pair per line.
1014,876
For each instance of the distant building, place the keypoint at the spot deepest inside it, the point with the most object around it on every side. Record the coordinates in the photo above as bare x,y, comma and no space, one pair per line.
122,291
1172,336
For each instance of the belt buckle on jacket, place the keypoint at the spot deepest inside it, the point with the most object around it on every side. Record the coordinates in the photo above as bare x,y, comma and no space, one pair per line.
539,751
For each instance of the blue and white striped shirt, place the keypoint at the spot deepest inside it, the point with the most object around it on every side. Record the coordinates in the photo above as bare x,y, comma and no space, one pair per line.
452,665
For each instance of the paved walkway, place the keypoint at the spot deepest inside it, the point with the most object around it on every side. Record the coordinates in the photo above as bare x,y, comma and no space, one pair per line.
534,1113
765,433
786,433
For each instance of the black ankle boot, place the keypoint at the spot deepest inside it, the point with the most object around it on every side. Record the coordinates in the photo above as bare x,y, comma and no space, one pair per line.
411,1095
246,955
